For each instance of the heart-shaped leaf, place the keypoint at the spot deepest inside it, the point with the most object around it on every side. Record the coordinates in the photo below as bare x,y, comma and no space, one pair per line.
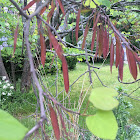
10,128
103,124
103,98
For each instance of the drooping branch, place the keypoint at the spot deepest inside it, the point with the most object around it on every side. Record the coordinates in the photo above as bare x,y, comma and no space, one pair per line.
128,82
32,69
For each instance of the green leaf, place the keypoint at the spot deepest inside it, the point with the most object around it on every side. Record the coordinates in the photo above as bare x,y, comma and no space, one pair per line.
10,128
105,2
103,124
103,98
91,3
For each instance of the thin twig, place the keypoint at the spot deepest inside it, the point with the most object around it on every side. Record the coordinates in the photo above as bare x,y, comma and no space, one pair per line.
35,128
128,82
59,104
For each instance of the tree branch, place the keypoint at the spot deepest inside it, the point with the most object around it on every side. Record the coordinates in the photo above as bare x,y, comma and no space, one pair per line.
32,69
39,9
19,9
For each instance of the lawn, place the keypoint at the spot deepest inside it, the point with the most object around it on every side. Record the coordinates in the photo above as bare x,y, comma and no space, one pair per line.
83,88
79,92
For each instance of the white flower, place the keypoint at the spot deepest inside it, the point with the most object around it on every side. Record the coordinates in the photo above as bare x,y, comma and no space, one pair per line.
6,81
4,87
0,82
4,77
9,94
3,93
8,84
11,87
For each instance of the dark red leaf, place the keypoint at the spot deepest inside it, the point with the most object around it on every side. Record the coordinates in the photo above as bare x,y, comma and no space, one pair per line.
15,38
108,37
29,5
105,43
43,49
62,122
97,43
61,6
137,59
96,21
111,55
65,73
121,62
139,67
56,45
93,38
49,16
85,35
59,52
77,24
101,31
54,122
118,49
43,10
132,63
50,45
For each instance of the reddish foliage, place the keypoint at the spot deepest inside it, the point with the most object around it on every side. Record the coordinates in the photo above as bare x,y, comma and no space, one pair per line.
29,5
65,73
96,21
61,6
85,35
93,38
97,46
63,123
43,10
49,16
43,49
118,49
54,122
111,55
101,31
50,45
132,63
121,62
105,43
77,24
56,45
59,52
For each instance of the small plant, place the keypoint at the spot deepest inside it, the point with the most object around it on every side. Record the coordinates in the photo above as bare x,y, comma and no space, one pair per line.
126,131
6,90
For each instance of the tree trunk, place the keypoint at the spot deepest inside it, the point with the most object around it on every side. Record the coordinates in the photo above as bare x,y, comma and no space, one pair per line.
2,68
13,74
26,76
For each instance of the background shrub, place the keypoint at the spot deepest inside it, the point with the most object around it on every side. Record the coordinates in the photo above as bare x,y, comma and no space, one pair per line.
71,61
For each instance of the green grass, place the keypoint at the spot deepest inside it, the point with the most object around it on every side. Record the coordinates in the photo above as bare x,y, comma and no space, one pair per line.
23,105
83,84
